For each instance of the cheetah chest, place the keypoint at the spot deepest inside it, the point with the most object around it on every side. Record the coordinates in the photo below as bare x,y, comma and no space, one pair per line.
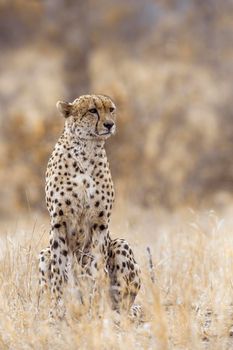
84,188
79,188
95,195
87,195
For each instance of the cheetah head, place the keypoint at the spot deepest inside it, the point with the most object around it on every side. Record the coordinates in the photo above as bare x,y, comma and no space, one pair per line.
90,116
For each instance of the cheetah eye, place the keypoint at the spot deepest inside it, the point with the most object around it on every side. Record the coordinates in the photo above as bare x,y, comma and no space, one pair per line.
111,109
93,110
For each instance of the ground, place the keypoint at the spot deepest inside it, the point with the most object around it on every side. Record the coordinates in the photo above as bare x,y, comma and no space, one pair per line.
189,305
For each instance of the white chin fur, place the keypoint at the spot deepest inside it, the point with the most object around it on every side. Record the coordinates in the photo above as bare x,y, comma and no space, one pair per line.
105,133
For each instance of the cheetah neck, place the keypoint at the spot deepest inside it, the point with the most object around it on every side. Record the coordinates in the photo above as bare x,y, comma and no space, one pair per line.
80,144
86,152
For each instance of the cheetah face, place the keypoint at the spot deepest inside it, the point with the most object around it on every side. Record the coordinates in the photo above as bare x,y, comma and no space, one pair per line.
90,116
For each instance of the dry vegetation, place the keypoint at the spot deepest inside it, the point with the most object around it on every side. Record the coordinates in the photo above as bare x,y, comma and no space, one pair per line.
168,66
189,305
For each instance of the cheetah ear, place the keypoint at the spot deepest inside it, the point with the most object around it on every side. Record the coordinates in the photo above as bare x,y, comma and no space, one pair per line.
64,108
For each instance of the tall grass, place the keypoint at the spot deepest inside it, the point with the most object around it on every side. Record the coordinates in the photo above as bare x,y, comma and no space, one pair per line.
187,306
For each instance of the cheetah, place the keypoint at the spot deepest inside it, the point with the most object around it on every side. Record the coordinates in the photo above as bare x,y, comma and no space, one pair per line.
79,197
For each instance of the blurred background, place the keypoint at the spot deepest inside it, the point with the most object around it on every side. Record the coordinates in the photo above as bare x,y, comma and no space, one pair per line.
166,63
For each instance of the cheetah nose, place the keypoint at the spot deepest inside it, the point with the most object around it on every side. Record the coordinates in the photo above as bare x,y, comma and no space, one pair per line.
109,125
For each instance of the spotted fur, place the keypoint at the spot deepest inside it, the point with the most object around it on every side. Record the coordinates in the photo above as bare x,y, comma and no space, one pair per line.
79,197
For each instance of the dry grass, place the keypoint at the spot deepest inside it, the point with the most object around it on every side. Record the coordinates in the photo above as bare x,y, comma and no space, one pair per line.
189,305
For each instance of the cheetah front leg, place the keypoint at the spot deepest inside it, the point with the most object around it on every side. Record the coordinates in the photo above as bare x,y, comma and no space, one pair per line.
93,260
99,249
59,260
124,274
44,270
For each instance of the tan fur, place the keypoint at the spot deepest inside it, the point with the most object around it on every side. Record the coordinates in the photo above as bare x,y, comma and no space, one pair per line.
79,196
